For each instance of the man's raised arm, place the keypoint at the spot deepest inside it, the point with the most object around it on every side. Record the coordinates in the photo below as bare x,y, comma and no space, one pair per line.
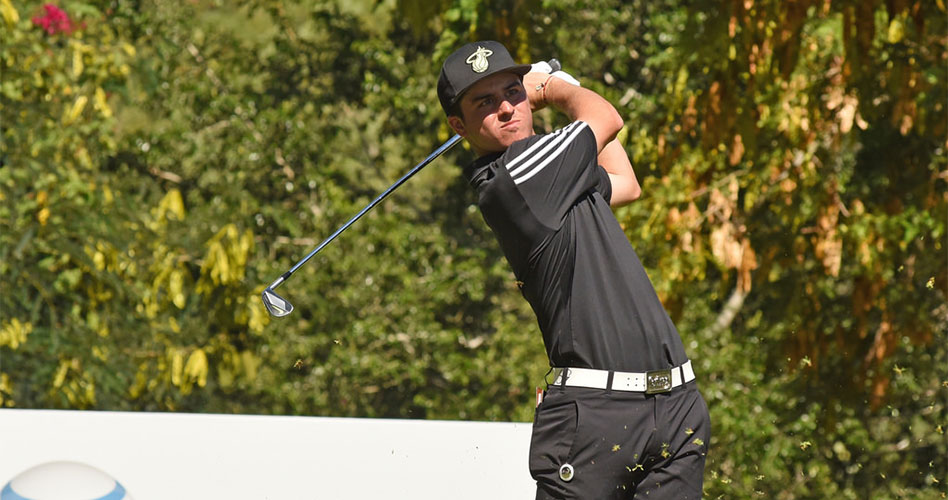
577,103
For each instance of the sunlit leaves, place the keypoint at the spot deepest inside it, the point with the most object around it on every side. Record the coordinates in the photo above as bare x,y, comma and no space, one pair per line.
72,386
226,258
13,332
10,14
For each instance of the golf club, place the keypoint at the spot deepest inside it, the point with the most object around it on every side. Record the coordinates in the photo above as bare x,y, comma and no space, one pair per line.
278,306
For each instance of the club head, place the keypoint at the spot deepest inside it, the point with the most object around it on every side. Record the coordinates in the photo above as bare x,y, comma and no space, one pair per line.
276,305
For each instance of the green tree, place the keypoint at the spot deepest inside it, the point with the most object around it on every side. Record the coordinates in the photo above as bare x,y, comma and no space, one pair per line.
62,271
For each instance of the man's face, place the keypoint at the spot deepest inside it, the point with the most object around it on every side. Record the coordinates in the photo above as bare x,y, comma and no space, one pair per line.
495,113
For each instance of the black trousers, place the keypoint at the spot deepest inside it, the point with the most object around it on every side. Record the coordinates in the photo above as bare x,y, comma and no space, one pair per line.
593,444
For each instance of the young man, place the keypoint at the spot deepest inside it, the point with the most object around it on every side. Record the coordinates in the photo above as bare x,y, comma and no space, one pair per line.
623,417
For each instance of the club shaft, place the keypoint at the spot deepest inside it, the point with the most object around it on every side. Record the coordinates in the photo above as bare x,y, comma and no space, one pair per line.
436,153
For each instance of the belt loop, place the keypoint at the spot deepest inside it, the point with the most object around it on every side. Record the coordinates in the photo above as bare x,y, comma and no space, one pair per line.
612,375
563,376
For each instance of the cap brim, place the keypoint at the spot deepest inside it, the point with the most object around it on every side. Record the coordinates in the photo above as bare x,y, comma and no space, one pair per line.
519,69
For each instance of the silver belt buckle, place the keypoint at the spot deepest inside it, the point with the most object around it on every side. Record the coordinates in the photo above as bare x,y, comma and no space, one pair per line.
658,381
559,374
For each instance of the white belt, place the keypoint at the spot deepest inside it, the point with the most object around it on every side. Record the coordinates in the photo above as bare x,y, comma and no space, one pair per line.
651,382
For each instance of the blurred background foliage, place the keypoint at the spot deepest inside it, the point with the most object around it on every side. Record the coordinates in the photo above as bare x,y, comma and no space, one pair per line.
161,162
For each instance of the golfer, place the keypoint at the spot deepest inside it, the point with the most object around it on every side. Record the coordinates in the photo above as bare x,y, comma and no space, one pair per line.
622,417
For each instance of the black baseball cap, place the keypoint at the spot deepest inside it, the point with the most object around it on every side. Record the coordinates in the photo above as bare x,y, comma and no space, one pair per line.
470,64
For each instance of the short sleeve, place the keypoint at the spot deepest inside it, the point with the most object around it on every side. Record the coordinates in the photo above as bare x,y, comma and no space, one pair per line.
552,171
604,186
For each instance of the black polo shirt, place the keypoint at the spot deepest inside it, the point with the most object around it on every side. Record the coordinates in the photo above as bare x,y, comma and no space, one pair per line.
546,200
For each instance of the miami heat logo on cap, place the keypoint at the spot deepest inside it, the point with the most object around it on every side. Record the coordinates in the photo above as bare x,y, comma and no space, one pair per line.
478,60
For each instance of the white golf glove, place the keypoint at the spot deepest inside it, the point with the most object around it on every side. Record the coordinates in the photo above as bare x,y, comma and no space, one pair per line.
544,67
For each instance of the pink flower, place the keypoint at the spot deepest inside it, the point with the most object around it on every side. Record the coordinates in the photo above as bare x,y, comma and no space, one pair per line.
55,20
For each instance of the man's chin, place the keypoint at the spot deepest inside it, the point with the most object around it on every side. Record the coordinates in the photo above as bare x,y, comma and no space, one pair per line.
514,136
502,142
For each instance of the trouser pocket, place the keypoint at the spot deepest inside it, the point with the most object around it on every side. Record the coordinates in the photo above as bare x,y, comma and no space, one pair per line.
554,432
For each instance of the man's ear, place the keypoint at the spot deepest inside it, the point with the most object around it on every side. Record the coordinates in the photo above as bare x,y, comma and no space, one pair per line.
457,124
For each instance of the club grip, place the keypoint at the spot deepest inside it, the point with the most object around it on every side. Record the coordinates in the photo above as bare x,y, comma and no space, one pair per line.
555,64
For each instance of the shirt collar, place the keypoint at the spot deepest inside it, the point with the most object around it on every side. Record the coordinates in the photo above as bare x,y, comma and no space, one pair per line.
476,169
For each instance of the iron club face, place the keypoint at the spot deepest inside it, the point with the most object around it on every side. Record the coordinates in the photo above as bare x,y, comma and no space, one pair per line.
276,305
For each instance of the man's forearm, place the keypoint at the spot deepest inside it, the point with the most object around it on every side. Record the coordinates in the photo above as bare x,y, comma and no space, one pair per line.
577,103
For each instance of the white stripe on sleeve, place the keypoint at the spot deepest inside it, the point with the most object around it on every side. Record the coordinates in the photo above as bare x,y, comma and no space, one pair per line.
528,153
563,143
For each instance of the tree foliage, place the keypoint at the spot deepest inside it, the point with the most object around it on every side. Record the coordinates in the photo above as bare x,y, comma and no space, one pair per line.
161,163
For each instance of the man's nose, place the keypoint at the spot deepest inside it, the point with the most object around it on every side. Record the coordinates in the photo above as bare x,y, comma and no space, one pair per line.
505,107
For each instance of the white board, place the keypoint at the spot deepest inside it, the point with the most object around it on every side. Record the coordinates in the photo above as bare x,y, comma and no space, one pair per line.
199,456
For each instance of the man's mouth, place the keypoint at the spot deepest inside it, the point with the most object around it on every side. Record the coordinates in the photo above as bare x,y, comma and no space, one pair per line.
509,124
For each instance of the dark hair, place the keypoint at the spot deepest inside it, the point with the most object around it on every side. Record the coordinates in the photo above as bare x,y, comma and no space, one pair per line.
455,110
